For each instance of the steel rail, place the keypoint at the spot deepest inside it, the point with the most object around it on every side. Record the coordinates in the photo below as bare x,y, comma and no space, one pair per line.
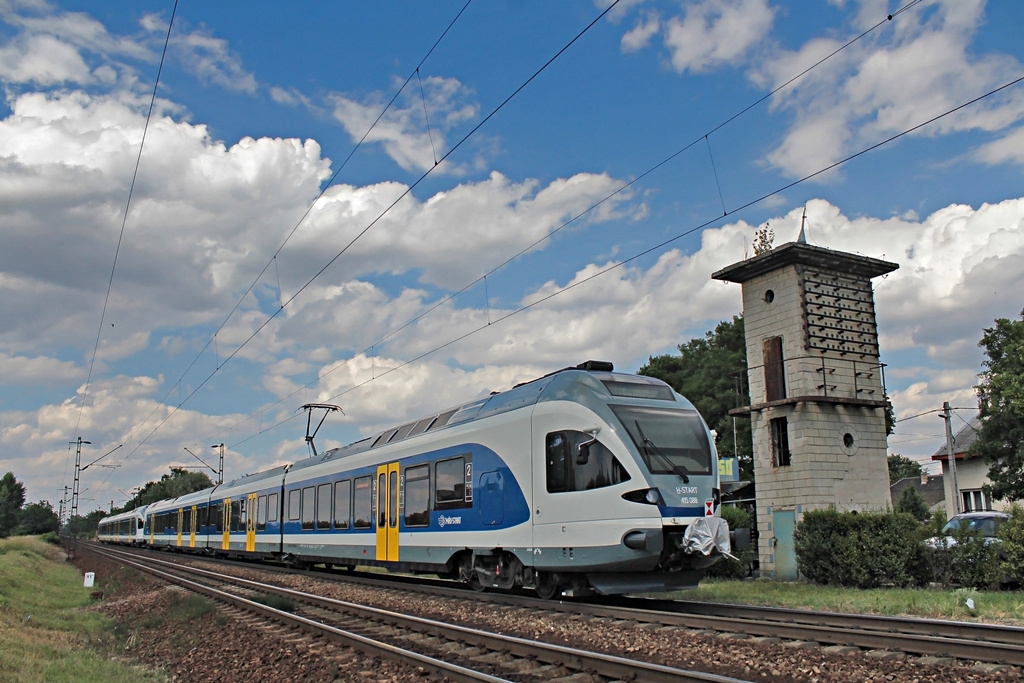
961,640
607,666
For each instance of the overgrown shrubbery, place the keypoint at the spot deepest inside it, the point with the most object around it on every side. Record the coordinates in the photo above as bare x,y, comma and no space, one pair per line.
1012,535
738,518
866,550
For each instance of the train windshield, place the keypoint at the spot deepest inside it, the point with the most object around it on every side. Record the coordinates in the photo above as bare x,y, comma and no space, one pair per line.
670,441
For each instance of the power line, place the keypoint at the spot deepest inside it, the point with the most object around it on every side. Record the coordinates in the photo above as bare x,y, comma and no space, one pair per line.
291,233
597,204
656,247
408,190
124,221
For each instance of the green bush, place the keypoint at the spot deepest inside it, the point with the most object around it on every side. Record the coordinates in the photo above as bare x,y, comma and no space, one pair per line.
738,518
865,550
1012,534
975,562
50,537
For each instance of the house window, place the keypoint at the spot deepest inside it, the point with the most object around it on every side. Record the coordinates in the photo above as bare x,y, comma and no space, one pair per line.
781,456
976,500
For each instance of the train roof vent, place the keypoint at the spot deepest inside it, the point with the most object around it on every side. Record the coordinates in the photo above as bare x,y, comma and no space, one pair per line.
596,366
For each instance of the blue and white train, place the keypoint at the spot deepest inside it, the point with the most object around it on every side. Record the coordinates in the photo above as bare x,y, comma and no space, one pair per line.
582,480
126,527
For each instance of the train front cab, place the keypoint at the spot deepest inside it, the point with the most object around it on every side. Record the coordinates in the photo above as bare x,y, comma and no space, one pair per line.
599,510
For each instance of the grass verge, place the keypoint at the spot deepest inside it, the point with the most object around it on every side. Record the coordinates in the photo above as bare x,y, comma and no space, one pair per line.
929,603
45,635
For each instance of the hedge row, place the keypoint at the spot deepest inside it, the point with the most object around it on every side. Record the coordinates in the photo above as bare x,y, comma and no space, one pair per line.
875,549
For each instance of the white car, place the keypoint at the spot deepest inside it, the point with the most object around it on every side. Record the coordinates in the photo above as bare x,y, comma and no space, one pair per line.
986,523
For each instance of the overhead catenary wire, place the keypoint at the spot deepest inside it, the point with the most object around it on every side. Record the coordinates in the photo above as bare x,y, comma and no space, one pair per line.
661,245
124,223
374,222
444,300
302,219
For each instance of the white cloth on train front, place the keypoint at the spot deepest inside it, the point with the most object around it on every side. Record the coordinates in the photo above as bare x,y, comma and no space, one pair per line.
706,535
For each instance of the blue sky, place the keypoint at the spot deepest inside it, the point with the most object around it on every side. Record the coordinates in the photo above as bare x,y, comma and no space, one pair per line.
257,110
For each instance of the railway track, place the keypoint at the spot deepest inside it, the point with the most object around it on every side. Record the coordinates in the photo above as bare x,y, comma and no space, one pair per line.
992,643
936,639
455,652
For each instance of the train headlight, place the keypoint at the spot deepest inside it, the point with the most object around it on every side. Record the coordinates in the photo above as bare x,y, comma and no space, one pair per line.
649,496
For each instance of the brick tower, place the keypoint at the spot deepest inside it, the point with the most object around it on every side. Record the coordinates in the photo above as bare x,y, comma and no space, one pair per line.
816,388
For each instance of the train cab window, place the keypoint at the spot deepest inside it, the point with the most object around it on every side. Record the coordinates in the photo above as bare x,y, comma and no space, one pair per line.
323,506
308,508
576,461
272,508
342,503
261,513
669,441
417,495
362,503
453,483
294,505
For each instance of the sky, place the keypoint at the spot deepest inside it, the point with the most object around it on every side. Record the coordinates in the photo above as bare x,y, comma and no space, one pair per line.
399,207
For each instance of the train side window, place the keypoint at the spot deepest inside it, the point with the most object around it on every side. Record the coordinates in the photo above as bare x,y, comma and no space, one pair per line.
218,518
294,505
308,508
272,508
323,506
450,483
557,458
362,503
417,496
261,513
236,516
186,521
342,503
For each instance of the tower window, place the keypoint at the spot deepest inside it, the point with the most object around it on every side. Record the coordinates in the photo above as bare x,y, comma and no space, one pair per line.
781,457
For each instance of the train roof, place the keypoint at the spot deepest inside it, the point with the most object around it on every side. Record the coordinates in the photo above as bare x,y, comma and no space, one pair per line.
564,384
130,514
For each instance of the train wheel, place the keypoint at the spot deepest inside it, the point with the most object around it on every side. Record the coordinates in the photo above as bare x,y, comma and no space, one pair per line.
475,583
548,586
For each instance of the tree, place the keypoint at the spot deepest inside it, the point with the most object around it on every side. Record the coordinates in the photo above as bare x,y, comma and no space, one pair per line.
12,497
912,502
38,518
901,468
179,482
1001,405
711,373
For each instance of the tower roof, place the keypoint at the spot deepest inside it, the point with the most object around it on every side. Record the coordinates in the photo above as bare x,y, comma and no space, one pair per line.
797,253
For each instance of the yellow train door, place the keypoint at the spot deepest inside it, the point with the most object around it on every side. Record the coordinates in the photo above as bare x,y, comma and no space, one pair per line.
250,523
225,521
192,527
179,526
387,512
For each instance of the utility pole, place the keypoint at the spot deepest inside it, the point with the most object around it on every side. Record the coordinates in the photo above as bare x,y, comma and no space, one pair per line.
947,415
